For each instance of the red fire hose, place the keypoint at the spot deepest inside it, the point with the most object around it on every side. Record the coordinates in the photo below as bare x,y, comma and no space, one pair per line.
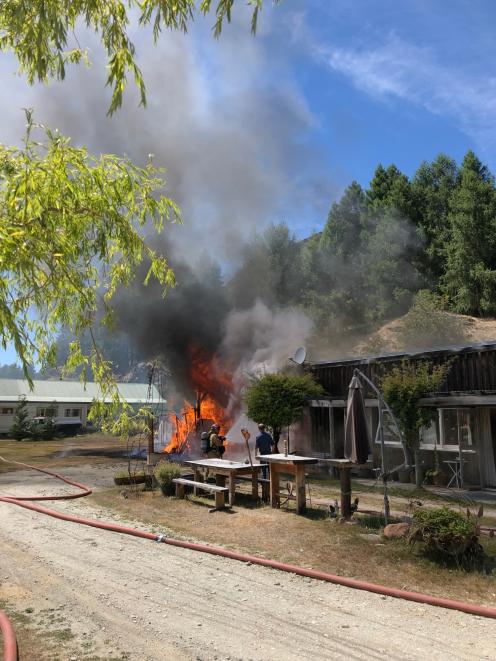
9,638
10,648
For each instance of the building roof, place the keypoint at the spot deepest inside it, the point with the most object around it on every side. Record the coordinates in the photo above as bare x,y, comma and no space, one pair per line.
74,391
420,353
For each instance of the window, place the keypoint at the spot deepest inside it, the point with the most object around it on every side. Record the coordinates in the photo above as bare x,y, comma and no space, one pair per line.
72,413
429,436
321,431
454,427
391,436
46,412
7,410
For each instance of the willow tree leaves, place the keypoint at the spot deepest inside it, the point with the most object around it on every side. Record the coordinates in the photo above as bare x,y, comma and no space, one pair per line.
43,34
71,232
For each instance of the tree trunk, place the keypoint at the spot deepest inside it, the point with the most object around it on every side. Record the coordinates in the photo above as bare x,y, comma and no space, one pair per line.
277,434
418,469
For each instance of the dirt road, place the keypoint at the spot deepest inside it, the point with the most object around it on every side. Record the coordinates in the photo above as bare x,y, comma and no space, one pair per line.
128,598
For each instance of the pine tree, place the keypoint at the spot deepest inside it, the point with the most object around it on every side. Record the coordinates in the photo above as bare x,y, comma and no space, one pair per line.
470,278
433,185
345,230
390,189
21,426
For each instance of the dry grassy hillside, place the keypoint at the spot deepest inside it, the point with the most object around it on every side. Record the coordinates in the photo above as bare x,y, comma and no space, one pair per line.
450,329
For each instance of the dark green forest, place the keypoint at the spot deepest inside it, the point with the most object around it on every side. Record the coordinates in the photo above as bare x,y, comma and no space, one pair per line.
424,245
379,247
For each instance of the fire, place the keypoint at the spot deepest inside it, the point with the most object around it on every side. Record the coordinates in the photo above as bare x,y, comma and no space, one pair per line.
213,387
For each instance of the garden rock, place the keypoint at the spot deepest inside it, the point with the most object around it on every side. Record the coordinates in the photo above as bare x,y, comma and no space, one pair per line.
396,530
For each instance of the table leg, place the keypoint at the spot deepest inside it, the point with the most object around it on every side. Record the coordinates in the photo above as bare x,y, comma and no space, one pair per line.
220,480
453,475
301,501
254,484
345,479
274,485
232,488
197,479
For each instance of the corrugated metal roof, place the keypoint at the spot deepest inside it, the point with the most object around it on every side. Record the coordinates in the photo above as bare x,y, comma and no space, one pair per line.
465,348
72,391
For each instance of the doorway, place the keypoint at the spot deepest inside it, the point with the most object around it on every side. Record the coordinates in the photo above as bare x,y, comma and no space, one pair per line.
489,451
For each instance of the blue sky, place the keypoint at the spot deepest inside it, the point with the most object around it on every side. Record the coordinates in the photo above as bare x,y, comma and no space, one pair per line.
272,128
398,81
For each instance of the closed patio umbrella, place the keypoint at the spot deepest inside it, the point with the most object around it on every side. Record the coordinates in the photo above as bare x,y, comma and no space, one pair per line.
357,438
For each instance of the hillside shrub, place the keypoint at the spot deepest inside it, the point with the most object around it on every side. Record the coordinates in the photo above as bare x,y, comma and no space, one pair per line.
164,473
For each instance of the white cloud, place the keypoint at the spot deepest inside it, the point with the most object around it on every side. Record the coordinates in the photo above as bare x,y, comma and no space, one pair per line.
401,70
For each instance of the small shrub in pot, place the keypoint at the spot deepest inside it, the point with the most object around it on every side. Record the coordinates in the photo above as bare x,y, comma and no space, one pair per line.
164,473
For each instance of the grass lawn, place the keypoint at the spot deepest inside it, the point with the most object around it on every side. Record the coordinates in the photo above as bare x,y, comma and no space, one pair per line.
70,451
312,540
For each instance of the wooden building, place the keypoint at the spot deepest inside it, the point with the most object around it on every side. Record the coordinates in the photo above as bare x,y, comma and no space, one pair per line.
464,415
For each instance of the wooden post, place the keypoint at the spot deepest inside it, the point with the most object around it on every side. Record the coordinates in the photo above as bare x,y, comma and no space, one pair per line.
179,490
220,499
345,478
232,488
198,478
151,447
274,485
301,502
254,483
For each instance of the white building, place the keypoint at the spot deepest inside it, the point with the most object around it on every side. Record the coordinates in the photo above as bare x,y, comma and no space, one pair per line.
67,402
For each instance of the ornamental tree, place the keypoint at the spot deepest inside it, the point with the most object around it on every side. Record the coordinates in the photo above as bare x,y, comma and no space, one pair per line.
278,400
402,388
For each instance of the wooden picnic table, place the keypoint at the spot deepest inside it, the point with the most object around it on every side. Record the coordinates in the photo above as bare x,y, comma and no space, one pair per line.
291,463
223,468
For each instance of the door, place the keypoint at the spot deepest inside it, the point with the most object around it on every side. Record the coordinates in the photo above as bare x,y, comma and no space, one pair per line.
488,447
490,452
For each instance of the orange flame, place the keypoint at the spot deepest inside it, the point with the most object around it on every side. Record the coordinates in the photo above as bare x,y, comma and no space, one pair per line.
213,387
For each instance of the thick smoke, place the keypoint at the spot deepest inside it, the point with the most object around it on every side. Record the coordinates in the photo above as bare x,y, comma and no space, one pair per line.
199,314
190,317
262,340
233,145
230,140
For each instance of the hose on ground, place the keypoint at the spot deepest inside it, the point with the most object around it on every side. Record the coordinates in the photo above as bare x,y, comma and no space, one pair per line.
472,609
9,638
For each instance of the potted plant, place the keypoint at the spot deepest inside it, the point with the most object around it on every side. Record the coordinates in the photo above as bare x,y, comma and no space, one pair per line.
436,474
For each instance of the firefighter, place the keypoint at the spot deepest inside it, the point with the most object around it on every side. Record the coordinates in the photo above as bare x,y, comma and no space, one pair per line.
216,443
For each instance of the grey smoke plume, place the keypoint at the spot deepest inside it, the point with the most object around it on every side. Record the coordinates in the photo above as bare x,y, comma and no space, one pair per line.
230,139
227,121
262,340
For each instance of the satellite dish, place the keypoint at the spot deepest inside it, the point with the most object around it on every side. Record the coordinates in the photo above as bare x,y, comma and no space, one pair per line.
300,355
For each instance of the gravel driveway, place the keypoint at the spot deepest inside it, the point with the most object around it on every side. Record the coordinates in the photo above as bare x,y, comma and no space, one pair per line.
129,598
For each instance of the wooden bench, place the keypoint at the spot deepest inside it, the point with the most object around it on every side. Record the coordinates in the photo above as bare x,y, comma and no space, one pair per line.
265,482
220,492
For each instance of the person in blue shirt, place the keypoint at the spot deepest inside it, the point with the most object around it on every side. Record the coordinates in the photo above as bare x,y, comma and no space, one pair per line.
263,445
